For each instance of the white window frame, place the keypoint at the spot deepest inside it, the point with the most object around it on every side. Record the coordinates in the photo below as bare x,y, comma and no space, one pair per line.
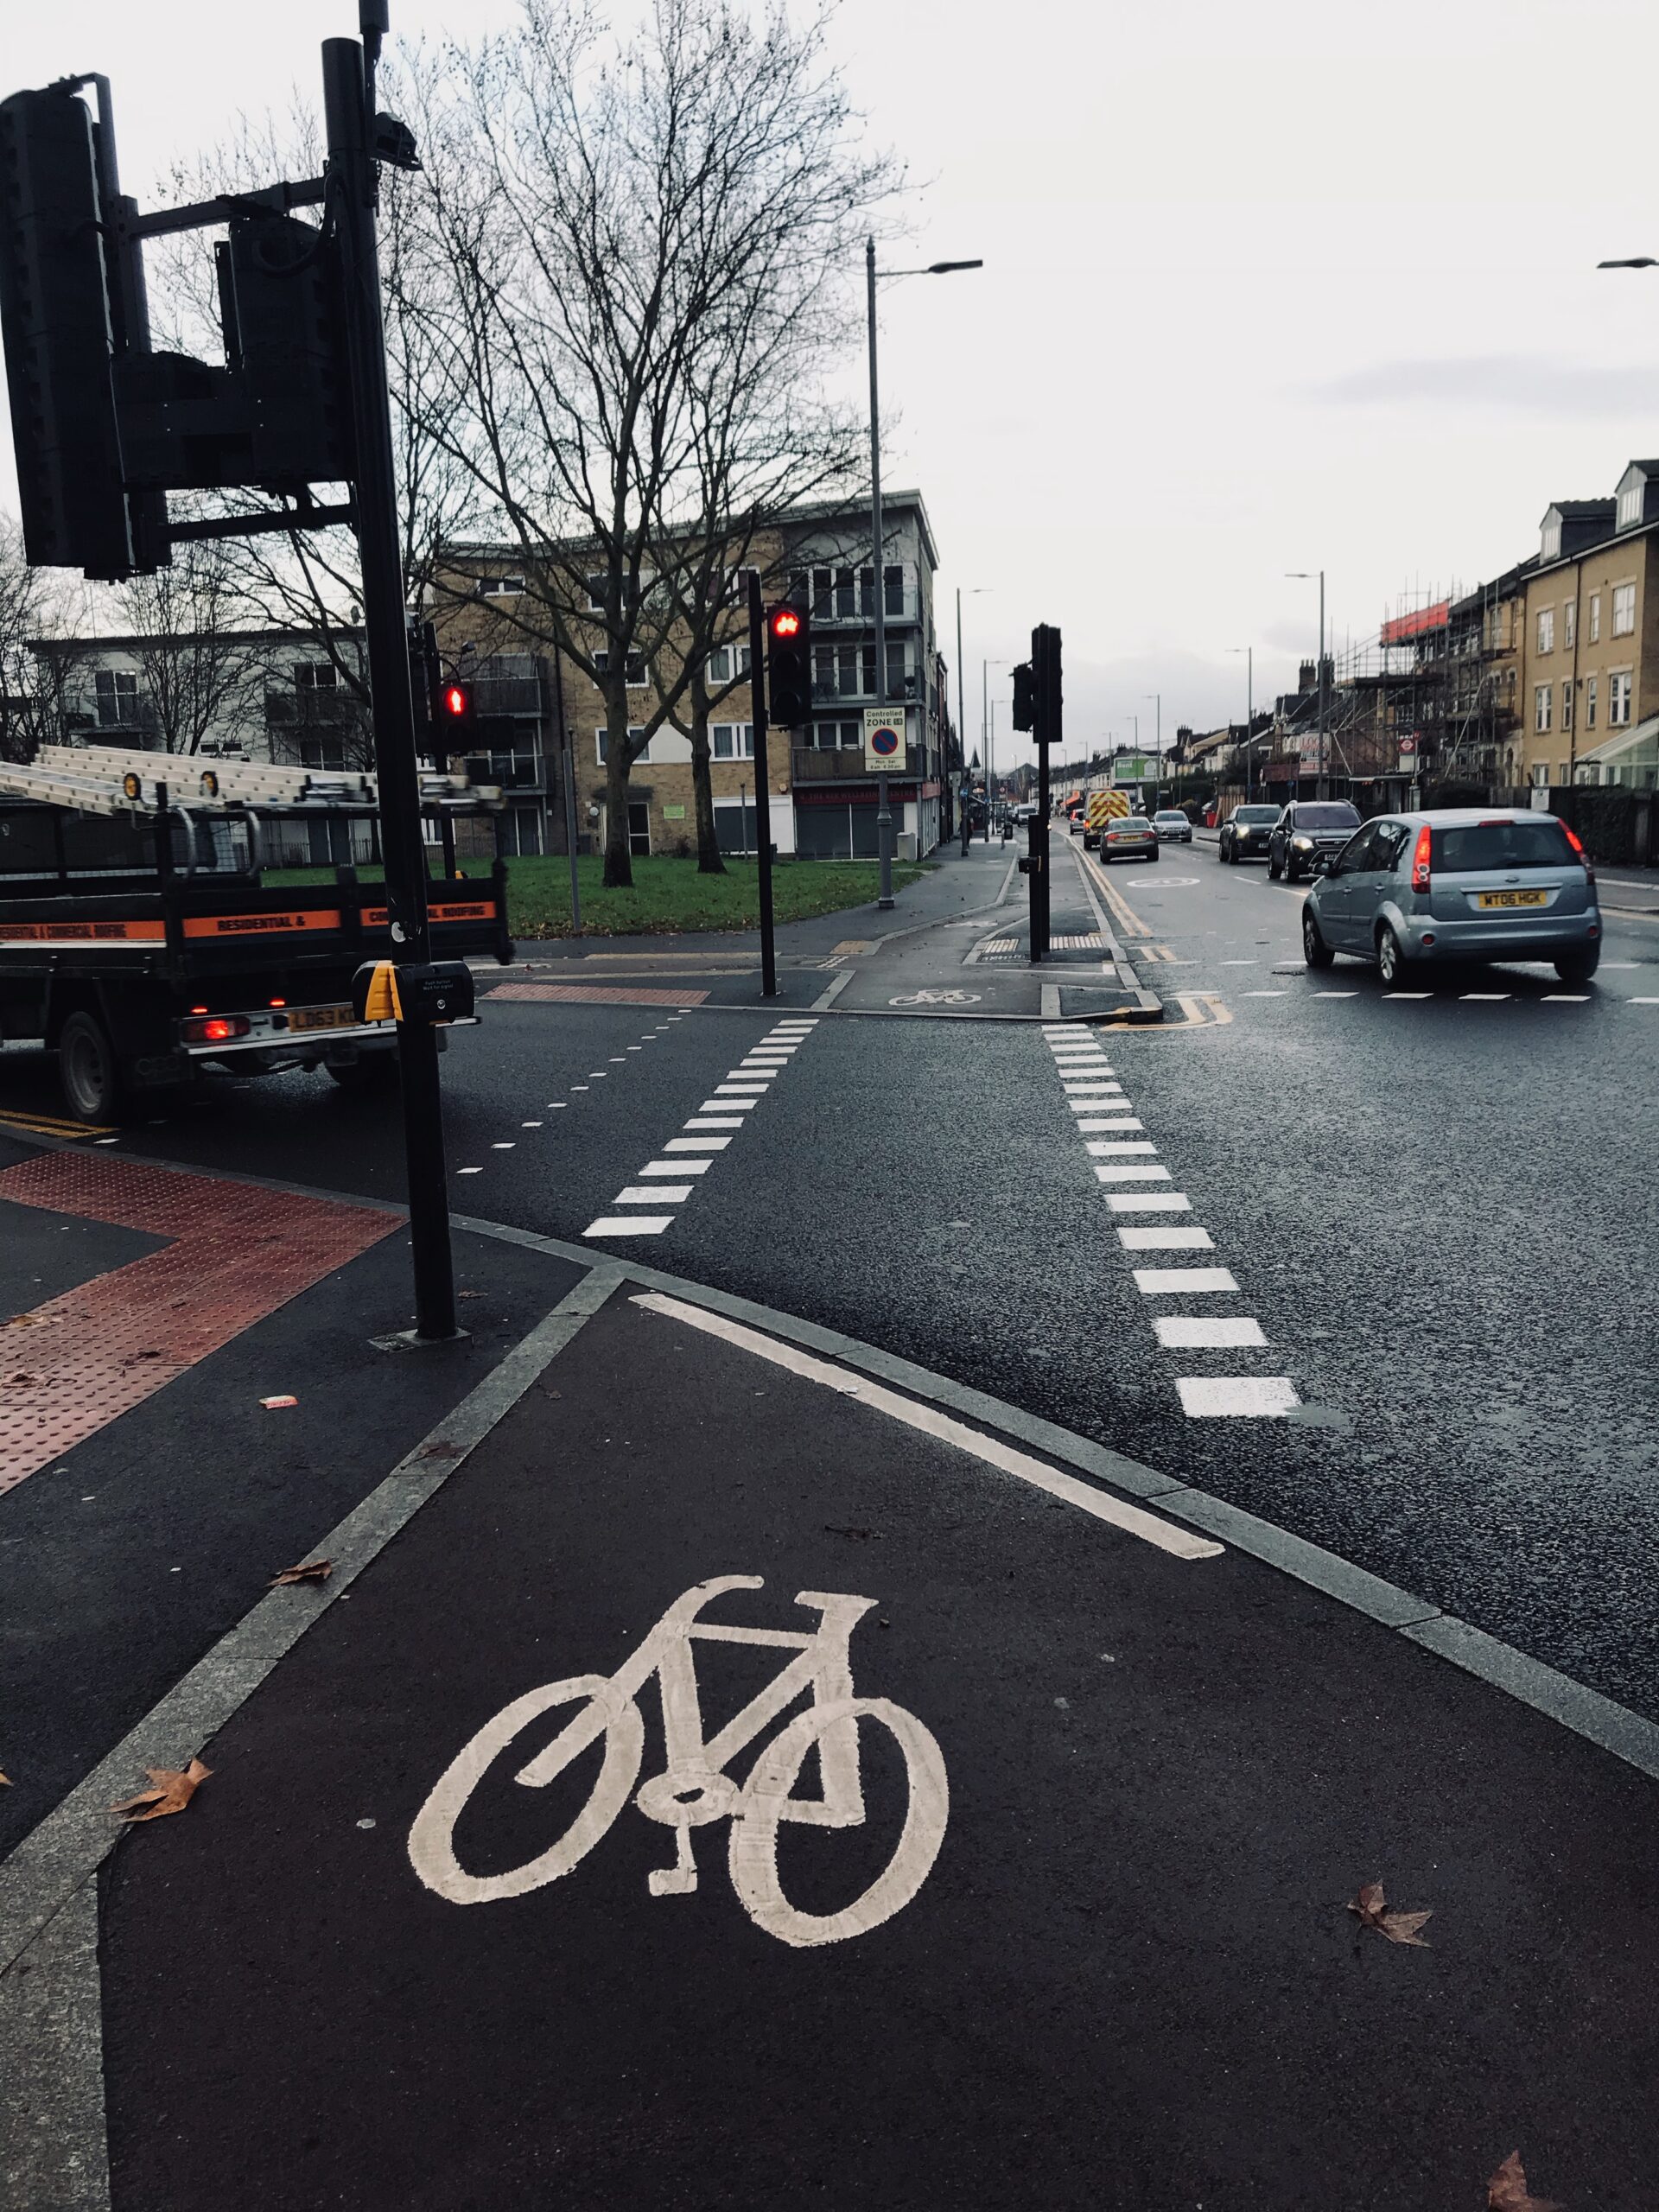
1621,686
500,587
728,663
1590,703
634,729
1546,630
1625,607
1541,775
631,682
1570,624
1566,705
1595,618
1630,503
1541,695
742,750
315,676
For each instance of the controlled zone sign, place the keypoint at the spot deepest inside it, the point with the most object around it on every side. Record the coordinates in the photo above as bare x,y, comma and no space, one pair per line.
884,739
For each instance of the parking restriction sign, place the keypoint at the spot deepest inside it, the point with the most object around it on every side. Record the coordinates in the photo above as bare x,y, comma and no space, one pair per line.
884,738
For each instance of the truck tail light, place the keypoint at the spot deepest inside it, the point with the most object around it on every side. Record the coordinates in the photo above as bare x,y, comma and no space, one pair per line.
1419,875
216,1029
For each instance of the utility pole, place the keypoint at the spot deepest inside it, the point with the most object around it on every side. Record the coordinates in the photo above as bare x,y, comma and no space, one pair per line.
985,738
962,697
347,79
883,807
567,770
758,704
1321,785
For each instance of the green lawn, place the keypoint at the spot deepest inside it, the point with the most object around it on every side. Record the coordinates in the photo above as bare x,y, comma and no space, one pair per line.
667,895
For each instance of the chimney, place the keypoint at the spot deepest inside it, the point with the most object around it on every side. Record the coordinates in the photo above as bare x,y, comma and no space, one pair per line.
1308,678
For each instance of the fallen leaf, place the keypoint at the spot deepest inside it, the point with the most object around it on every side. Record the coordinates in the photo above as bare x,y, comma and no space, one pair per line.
1370,1908
441,1450
172,1793
5,1782
469,1294
20,1321
21,1382
1507,2190
315,1570
268,1402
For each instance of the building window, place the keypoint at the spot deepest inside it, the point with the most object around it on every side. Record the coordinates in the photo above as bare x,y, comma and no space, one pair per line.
1541,774
1629,503
1540,698
1595,617
1546,629
1619,700
1623,610
1590,705
1567,706
728,663
636,676
117,696
1570,624
633,731
893,578
500,587
1549,542
733,740
315,676
1561,774
596,587
831,737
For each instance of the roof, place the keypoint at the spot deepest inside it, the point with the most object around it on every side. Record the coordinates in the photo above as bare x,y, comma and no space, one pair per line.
855,509
111,642
1581,510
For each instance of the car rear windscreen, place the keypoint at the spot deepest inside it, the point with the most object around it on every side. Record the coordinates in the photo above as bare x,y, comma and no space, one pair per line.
1326,817
1483,845
1257,814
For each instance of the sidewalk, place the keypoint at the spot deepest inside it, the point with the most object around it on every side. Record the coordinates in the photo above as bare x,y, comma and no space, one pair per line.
1068,1928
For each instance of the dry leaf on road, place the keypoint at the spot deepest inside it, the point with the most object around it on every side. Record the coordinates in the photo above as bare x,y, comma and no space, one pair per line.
269,1402
315,1570
172,1793
5,1782
1370,1908
1507,2190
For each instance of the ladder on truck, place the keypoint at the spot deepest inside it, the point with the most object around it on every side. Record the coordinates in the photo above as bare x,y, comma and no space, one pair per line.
125,779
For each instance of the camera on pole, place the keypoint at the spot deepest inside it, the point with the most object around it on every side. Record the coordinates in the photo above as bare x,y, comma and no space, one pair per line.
789,667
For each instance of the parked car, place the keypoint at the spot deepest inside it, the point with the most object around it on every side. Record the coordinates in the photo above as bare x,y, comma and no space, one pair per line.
1127,836
1457,885
1169,822
1309,831
1245,833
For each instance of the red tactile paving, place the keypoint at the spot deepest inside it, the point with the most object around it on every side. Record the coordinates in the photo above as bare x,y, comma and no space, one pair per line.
237,1252
574,995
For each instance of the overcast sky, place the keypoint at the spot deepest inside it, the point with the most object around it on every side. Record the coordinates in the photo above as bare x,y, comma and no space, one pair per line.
1299,284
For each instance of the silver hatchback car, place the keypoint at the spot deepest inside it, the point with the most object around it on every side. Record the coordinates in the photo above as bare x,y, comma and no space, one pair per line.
1469,884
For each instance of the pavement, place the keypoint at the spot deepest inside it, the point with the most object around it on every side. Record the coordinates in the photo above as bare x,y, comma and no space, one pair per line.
1148,1680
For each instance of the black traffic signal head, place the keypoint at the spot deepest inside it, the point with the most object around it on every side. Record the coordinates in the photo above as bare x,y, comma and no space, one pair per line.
1025,697
1045,675
455,710
789,667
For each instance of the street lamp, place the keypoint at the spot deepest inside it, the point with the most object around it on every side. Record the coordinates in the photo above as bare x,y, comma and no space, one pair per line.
1250,718
1307,575
1158,743
975,591
878,538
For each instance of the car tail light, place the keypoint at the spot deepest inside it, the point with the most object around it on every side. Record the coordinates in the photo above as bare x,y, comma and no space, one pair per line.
1420,860
216,1029
1583,857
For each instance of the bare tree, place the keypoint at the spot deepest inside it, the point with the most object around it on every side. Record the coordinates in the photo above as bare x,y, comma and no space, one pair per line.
44,614
644,248
198,674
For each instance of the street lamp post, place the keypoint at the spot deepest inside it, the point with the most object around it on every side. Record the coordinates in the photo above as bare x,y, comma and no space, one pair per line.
1307,575
1248,653
1157,744
878,536
975,591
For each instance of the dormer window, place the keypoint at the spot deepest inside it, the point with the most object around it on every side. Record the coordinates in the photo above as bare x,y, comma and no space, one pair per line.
1549,544
1632,498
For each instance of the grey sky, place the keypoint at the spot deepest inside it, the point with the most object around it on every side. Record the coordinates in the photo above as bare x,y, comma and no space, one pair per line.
1265,289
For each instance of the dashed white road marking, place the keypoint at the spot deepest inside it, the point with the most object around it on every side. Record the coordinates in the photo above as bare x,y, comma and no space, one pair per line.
1132,1175
1262,995
530,1125
629,1225
1162,1282
1633,1002
726,1106
1098,1129
1188,1332
1408,994
1483,998
1258,1396
1118,1512
1335,995
1166,1240
478,1170
697,1144
504,1144
1565,998
1152,1202
677,1167
1113,1149
653,1194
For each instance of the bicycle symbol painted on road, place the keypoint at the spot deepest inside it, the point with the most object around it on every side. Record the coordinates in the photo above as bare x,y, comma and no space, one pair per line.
693,1790
935,998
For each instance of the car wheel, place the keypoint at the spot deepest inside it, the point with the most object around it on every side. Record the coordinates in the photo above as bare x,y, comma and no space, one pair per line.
88,1073
1292,871
1578,966
1274,869
1315,951
1390,957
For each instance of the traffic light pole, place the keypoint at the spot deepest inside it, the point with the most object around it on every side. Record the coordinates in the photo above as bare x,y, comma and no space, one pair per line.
762,785
350,206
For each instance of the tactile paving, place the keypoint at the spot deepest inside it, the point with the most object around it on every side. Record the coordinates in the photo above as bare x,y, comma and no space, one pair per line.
574,995
237,1252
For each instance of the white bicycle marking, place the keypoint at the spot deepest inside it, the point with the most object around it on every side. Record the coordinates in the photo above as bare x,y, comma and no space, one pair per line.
693,1790
935,998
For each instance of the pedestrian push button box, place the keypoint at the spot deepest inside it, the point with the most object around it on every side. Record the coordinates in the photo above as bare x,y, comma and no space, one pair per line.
1031,863
436,992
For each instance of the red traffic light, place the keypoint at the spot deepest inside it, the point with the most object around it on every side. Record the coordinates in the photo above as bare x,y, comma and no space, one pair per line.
455,701
786,622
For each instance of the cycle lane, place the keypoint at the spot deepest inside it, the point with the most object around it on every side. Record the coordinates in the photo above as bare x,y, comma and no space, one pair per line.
1113,1966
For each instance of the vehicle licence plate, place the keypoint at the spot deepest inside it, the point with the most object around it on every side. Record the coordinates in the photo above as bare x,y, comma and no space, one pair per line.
1512,899
322,1017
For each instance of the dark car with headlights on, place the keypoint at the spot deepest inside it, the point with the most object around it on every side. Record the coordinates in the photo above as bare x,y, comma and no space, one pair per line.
1245,833
1308,832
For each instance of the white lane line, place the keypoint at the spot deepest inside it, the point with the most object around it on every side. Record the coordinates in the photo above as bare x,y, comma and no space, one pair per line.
1103,1088
754,1084
1335,995
530,1125
726,1105
1166,1240
1132,1175
478,1170
715,1121
697,1144
505,1145
629,1225
653,1194
1644,1001
1176,1282
1152,1202
1117,1512
1565,998
677,1167
1408,994
1099,1129
1621,963
598,1075
557,1105
578,1086
1262,994
1183,1333
1116,1148
1239,963
1261,1397
1483,998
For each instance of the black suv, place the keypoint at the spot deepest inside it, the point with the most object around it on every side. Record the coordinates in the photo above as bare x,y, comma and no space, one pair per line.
1245,832
1308,830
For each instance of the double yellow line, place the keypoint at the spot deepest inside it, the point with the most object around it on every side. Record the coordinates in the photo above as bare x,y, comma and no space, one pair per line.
47,1125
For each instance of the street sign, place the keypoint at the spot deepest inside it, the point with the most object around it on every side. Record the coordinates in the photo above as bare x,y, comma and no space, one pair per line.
884,739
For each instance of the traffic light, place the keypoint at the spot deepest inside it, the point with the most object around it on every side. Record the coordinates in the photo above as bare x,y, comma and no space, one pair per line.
1046,683
1025,697
789,668
454,720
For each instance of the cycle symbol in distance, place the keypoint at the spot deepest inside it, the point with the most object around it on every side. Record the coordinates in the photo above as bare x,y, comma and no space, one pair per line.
693,1790
935,998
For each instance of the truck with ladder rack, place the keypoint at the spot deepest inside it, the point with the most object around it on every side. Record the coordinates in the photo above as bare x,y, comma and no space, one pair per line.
141,942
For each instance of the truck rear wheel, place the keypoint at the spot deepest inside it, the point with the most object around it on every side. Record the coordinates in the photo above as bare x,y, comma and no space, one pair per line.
89,1074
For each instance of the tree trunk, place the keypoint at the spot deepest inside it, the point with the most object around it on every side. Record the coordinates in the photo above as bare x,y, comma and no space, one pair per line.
618,864
703,789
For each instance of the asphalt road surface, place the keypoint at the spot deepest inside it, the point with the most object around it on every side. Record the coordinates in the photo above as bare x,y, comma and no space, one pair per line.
1423,1221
